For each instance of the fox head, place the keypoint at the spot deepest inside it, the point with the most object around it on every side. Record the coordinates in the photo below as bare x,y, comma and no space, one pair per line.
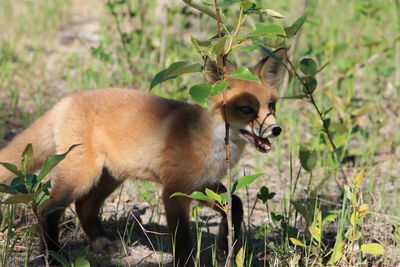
250,108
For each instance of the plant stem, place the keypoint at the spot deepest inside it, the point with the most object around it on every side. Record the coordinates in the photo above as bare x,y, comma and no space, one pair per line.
325,127
227,147
123,40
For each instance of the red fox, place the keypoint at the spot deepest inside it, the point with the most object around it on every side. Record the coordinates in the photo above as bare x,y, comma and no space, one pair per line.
133,134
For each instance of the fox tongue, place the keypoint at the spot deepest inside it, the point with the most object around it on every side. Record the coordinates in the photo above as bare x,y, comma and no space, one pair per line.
262,144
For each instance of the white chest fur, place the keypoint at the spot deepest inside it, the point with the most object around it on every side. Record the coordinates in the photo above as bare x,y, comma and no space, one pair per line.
215,162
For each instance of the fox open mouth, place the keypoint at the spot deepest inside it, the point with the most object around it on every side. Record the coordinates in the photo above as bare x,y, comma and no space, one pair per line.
261,144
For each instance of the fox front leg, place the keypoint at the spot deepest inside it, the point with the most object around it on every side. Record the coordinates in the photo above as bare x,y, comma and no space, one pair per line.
177,212
237,218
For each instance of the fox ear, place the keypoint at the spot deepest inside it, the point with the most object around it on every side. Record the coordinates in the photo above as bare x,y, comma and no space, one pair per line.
269,70
214,69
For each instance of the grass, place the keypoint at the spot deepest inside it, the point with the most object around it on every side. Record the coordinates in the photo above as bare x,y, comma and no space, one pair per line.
51,48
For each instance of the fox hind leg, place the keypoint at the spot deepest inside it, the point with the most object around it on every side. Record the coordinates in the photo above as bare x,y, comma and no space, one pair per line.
88,208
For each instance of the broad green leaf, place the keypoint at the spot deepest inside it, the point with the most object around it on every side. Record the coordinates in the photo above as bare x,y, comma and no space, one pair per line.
243,73
250,7
373,248
213,195
51,162
315,232
224,198
175,69
18,184
264,195
263,29
218,88
239,259
308,159
26,157
81,262
337,252
21,198
327,123
200,93
358,179
308,66
195,195
12,168
310,84
243,181
297,242
219,45
295,27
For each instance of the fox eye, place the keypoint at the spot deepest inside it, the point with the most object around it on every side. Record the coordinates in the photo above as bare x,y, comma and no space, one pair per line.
246,109
272,105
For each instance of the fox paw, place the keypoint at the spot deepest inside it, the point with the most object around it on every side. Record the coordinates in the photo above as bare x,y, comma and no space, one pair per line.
103,245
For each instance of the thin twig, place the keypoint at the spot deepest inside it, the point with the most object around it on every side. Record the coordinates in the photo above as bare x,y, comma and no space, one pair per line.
325,127
123,40
227,147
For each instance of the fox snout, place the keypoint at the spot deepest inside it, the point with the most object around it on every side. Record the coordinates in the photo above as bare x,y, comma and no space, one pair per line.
272,131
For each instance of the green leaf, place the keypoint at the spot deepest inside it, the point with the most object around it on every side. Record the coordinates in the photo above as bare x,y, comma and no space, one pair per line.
315,232
200,93
326,123
358,179
12,168
21,198
264,195
239,259
219,45
61,259
297,242
51,162
329,216
373,248
195,195
26,157
295,27
175,69
81,262
218,88
263,29
243,73
308,66
213,195
250,7
308,159
310,84
337,252
243,181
